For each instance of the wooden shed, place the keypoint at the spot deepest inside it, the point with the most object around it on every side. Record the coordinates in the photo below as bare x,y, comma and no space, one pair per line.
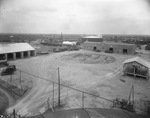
137,67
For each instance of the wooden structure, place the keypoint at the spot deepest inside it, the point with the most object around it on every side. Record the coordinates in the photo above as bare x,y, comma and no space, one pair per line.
137,67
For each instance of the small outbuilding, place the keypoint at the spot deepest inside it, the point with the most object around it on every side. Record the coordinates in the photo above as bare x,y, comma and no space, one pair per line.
137,67
14,51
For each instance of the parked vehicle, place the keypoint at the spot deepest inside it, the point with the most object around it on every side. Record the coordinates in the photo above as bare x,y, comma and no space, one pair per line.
8,70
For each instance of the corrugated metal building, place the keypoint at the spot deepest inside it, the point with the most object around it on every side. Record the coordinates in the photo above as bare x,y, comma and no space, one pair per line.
137,67
14,51
110,46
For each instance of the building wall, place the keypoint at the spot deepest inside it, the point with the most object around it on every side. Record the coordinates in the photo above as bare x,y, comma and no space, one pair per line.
117,48
90,46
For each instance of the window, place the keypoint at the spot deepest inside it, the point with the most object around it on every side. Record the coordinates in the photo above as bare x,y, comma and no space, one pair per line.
111,49
94,48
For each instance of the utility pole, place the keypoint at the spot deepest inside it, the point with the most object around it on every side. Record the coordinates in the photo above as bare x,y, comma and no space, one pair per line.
20,77
58,88
61,36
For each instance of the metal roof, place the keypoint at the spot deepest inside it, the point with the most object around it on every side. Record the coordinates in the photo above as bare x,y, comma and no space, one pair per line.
119,43
110,43
69,43
92,37
14,47
89,42
139,60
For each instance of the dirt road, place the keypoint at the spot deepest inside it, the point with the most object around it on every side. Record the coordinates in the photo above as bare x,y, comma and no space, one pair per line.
34,98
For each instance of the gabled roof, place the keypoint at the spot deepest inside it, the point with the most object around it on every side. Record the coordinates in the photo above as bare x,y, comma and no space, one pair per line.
139,60
15,47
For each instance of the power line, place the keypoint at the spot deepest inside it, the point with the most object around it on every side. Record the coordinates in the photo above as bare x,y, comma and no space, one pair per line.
67,86
72,87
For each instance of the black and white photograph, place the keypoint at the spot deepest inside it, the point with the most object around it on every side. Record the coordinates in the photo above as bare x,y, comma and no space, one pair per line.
74,58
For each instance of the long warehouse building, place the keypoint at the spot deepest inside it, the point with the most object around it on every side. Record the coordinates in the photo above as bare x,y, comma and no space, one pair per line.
13,51
110,46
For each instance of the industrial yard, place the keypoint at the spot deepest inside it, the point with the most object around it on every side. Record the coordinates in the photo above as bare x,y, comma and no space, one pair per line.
91,76
74,59
97,73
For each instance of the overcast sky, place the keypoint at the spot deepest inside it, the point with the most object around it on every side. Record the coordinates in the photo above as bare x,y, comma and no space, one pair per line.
75,16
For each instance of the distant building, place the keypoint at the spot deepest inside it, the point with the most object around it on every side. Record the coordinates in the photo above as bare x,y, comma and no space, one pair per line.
14,51
92,39
68,43
137,67
110,47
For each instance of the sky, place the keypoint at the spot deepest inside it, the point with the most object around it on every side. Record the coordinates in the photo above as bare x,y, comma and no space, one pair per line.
75,16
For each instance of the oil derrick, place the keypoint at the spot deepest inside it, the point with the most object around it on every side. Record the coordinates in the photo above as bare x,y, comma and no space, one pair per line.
61,37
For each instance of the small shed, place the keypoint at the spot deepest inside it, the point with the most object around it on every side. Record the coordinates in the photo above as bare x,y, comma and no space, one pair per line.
137,67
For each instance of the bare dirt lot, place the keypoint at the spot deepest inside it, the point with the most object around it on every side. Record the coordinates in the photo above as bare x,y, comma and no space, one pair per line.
100,77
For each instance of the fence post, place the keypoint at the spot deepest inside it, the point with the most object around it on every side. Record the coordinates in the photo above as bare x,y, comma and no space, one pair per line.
20,77
82,99
14,113
47,103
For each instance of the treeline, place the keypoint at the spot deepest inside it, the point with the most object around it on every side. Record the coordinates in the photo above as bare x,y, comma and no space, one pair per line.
21,37
31,37
133,39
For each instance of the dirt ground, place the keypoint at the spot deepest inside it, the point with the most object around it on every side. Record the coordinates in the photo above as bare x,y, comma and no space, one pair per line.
3,102
102,79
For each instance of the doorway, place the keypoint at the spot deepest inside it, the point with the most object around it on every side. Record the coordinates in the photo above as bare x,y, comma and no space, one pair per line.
111,49
94,48
125,51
